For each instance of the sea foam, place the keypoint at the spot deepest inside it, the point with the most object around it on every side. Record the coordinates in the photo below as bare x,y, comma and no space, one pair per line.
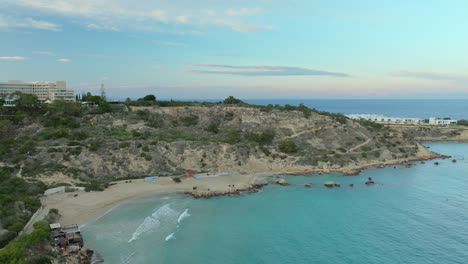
153,221
183,215
171,236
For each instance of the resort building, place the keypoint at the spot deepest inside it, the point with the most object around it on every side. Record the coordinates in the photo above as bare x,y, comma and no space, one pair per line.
45,91
442,121
403,120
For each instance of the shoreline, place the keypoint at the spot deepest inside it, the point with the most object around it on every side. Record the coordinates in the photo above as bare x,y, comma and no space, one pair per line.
80,207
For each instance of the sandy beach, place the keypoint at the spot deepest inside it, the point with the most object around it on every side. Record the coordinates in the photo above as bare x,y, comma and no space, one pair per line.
79,207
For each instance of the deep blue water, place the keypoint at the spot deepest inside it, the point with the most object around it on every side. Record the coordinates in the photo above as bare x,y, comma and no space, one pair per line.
455,109
412,215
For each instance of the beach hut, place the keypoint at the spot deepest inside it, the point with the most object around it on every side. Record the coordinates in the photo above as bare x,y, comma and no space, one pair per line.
148,179
189,174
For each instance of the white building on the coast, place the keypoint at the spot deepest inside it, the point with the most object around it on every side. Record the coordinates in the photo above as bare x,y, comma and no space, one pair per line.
442,121
381,119
45,91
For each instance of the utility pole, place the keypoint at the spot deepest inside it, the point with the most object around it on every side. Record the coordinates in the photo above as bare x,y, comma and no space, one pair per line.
103,92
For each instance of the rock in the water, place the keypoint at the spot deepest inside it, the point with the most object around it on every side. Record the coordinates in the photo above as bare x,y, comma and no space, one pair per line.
369,181
454,160
308,185
337,184
436,163
329,184
282,182
351,185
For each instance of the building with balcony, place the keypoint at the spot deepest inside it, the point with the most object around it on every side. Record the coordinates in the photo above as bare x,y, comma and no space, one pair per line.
45,91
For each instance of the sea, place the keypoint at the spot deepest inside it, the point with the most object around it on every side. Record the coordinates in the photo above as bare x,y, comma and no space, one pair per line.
455,109
413,215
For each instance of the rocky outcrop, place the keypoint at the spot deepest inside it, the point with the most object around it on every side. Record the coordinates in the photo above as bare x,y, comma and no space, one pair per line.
234,192
329,184
370,181
282,182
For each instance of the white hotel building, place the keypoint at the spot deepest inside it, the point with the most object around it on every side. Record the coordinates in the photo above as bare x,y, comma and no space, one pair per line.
403,120
45,91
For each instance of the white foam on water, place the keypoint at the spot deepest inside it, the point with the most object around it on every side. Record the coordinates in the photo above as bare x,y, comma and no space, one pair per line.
171,236
183,215
153,221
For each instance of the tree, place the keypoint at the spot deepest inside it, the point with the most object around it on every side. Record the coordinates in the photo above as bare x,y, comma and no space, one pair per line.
26,102
232,100
149,97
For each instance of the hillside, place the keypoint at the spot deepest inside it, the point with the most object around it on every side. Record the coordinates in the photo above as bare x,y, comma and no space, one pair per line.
92,149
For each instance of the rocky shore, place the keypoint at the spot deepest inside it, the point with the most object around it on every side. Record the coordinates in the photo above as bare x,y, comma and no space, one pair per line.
231,192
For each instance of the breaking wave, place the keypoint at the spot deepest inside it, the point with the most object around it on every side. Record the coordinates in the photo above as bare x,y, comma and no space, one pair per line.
153,222
183,215
171,236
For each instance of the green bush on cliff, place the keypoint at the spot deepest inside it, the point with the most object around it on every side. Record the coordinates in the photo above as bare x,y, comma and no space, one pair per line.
191,120
18,201
16,251
287,146
232,100
263,138
233,136
213,127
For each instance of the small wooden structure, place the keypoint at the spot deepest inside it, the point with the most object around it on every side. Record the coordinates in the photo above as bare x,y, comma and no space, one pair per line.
189,174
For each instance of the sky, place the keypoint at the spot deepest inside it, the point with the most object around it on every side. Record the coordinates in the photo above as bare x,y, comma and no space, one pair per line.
210,49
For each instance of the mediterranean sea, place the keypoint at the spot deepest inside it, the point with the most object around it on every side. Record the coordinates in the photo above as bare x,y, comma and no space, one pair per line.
414,215
455,109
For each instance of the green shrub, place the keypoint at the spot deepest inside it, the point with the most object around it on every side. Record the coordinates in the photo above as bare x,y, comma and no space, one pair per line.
287,146
229,116
177,179
145,148
264,138
233,136
232,100
15,251
213,127
191,120
124,145
364,155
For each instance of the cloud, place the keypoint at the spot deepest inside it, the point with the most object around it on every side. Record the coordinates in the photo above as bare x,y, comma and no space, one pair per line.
149,15
435,76
170,43
9,22
64,60
103,56
93,26
239,26
260,70
44,53
41,24
13,58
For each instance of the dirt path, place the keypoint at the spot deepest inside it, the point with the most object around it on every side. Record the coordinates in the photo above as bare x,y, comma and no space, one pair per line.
358,146
296,134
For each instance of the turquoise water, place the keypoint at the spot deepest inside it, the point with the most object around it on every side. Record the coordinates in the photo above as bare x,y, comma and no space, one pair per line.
412,215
